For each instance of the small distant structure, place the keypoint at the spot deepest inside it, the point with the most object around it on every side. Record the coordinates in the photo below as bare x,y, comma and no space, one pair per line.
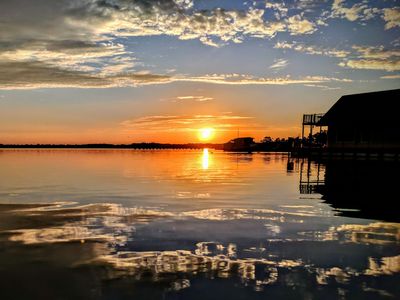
368,121
241,144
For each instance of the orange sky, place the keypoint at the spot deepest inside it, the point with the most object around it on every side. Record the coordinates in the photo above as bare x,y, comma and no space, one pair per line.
157,71
129,136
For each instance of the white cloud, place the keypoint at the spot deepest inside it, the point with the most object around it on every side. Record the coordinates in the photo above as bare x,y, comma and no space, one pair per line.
362,11
372,64
211,27
324,87
298,25
280,9
311,49
352,13
242,79
279,64
397,76
358,57
189,98
195,98
377,52
392,17
373,58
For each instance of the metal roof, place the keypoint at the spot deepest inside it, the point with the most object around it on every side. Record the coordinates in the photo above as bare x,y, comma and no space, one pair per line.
382,106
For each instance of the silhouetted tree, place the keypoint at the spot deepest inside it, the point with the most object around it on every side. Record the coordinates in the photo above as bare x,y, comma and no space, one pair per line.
266,139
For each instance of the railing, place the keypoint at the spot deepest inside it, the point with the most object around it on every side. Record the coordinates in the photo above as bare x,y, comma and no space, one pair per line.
312,119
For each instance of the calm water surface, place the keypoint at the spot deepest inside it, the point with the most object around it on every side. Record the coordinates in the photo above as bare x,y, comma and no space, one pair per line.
105,224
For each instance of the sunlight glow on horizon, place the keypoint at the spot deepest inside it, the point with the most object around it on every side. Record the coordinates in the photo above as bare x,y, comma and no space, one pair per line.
206,134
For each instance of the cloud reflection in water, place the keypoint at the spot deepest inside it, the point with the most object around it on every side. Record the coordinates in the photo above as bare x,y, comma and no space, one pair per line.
116,226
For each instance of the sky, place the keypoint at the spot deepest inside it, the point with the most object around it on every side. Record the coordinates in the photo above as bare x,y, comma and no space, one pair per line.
123,71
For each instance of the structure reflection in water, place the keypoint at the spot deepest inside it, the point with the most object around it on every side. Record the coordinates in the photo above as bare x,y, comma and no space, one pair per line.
357,188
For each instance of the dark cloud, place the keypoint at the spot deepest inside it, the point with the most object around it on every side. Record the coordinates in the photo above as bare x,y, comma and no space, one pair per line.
23,20
67,42
32,74
73,42
37,74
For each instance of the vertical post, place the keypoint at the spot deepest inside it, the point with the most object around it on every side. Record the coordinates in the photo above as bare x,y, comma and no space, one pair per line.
301,171
320,132
302,132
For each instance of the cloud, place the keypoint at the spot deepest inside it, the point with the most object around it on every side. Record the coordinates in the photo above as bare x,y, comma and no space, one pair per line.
189,98
311,49
324,87
71,43
33,75
397,76
298,25
372,64
392,17
82,38
279,64
378,52
94,19
353,13
358,57
280,9
373,58
195,98
72,55
362,11
166,123
243,79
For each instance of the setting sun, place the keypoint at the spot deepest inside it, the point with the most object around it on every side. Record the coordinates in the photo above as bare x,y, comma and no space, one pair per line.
206,134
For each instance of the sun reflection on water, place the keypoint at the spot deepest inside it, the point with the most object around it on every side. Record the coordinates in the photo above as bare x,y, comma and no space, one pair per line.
205,159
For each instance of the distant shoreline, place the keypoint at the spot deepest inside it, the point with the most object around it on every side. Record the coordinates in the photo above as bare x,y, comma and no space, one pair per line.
139,146
283,146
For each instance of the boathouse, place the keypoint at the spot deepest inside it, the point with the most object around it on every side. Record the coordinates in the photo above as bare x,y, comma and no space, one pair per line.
368,121
242,144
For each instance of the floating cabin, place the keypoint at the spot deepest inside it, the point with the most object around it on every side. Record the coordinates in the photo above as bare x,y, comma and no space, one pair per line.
364,123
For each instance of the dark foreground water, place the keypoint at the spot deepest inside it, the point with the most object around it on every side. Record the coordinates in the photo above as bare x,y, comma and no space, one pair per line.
104,224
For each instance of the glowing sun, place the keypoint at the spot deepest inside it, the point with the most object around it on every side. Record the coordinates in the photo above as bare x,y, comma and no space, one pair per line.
206,134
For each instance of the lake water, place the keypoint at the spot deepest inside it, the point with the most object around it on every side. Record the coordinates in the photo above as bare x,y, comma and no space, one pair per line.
122,224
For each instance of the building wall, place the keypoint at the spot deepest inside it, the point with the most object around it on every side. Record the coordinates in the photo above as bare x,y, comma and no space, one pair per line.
365,136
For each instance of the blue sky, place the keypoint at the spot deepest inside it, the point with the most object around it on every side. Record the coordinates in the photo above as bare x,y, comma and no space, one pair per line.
146,70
